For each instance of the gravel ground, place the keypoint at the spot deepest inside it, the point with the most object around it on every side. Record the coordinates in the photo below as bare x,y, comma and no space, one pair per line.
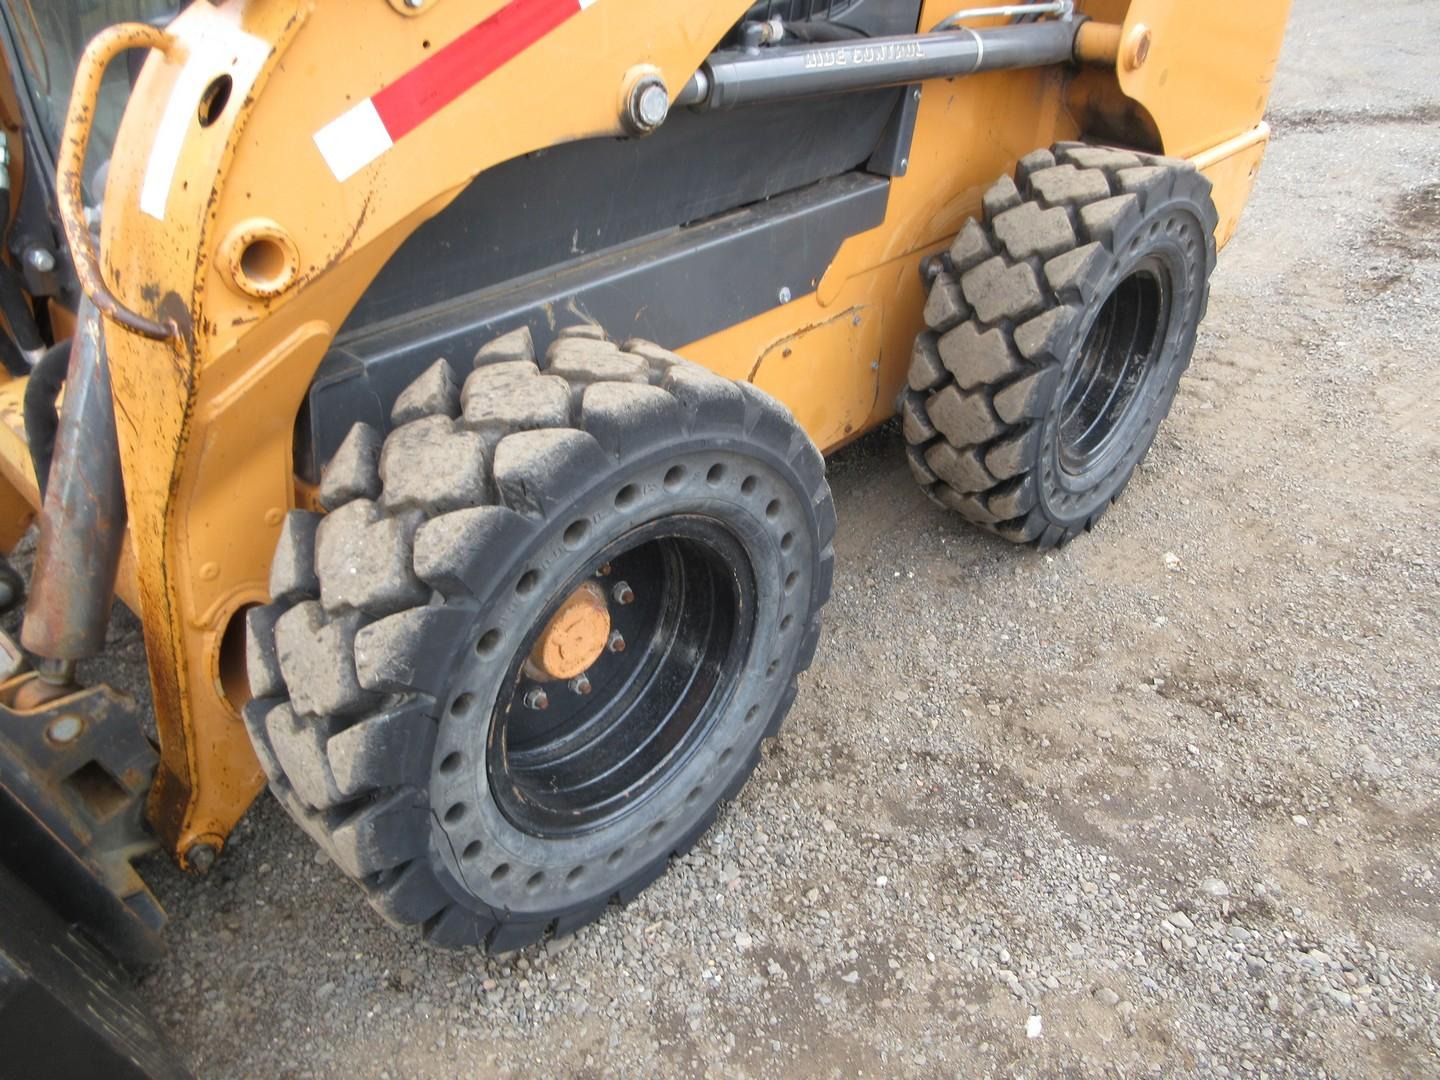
1164,801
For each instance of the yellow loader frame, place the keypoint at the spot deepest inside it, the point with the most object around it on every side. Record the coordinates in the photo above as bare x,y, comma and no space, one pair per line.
231,254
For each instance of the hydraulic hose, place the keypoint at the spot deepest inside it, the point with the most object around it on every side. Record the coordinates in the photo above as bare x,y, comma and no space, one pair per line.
42,421
18,313
10,357
16,308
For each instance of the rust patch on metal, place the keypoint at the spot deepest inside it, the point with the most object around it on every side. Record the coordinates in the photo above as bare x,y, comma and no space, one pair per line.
575,636
82,524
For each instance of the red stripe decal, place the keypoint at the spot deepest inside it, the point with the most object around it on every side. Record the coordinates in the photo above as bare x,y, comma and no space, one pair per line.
427,88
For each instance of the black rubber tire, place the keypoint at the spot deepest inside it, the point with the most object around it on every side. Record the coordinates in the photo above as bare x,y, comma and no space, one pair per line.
988,412
395,614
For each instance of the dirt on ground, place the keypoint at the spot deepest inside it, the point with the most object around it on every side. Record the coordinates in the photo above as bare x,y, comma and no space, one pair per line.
1164,801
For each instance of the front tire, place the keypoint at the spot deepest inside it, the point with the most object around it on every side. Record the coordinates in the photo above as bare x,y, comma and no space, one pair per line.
541,633
1059,327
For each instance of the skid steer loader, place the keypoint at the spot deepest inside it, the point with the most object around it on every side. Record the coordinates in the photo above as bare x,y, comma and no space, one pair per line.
445,383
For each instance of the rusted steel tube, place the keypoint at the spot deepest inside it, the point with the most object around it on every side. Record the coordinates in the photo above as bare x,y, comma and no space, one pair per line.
82,524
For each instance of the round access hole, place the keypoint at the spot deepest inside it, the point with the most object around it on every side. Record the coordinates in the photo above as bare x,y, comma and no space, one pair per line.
214,100
262,258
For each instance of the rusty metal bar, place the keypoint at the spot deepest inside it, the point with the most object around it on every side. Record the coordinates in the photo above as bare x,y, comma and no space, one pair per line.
82,524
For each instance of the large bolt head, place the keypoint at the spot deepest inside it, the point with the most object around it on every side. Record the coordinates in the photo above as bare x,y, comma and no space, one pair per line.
654,106
65,729
648,106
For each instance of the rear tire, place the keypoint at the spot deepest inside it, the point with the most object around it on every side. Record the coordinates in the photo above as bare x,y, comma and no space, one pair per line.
399,713
1059,327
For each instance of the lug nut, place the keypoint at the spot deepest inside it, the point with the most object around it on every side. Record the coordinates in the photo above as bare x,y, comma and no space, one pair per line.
617,641
604,570
537,699
623,593
580,684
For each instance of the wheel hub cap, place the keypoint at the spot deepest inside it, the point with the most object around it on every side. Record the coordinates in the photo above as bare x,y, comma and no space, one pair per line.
574,638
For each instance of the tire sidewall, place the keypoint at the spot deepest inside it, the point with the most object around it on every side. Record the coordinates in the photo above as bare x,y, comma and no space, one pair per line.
1184,252
616,851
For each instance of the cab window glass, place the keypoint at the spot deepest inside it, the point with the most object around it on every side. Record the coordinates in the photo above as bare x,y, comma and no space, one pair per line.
50,36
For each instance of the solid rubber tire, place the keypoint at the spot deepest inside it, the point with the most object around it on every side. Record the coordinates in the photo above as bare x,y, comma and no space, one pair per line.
1008,309
444,542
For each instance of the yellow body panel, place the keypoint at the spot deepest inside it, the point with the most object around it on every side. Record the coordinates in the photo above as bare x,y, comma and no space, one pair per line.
19,492
205,425
1197,105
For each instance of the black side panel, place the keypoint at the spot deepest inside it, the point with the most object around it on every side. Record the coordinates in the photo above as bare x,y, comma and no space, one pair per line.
555,205
672,288
892,156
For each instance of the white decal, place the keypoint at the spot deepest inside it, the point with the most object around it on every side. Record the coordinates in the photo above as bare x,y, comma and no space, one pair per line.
215,47
353,140
864,54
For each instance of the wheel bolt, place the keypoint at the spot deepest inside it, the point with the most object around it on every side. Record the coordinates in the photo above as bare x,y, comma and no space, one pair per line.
64,730
617,641
537,699
580,684
623,593
604,570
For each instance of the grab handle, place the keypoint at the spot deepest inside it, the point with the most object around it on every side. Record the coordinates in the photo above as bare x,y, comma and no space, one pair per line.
79,119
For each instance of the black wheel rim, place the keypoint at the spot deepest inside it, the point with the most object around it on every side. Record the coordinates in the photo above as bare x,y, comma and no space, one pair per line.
1107,386
586,759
